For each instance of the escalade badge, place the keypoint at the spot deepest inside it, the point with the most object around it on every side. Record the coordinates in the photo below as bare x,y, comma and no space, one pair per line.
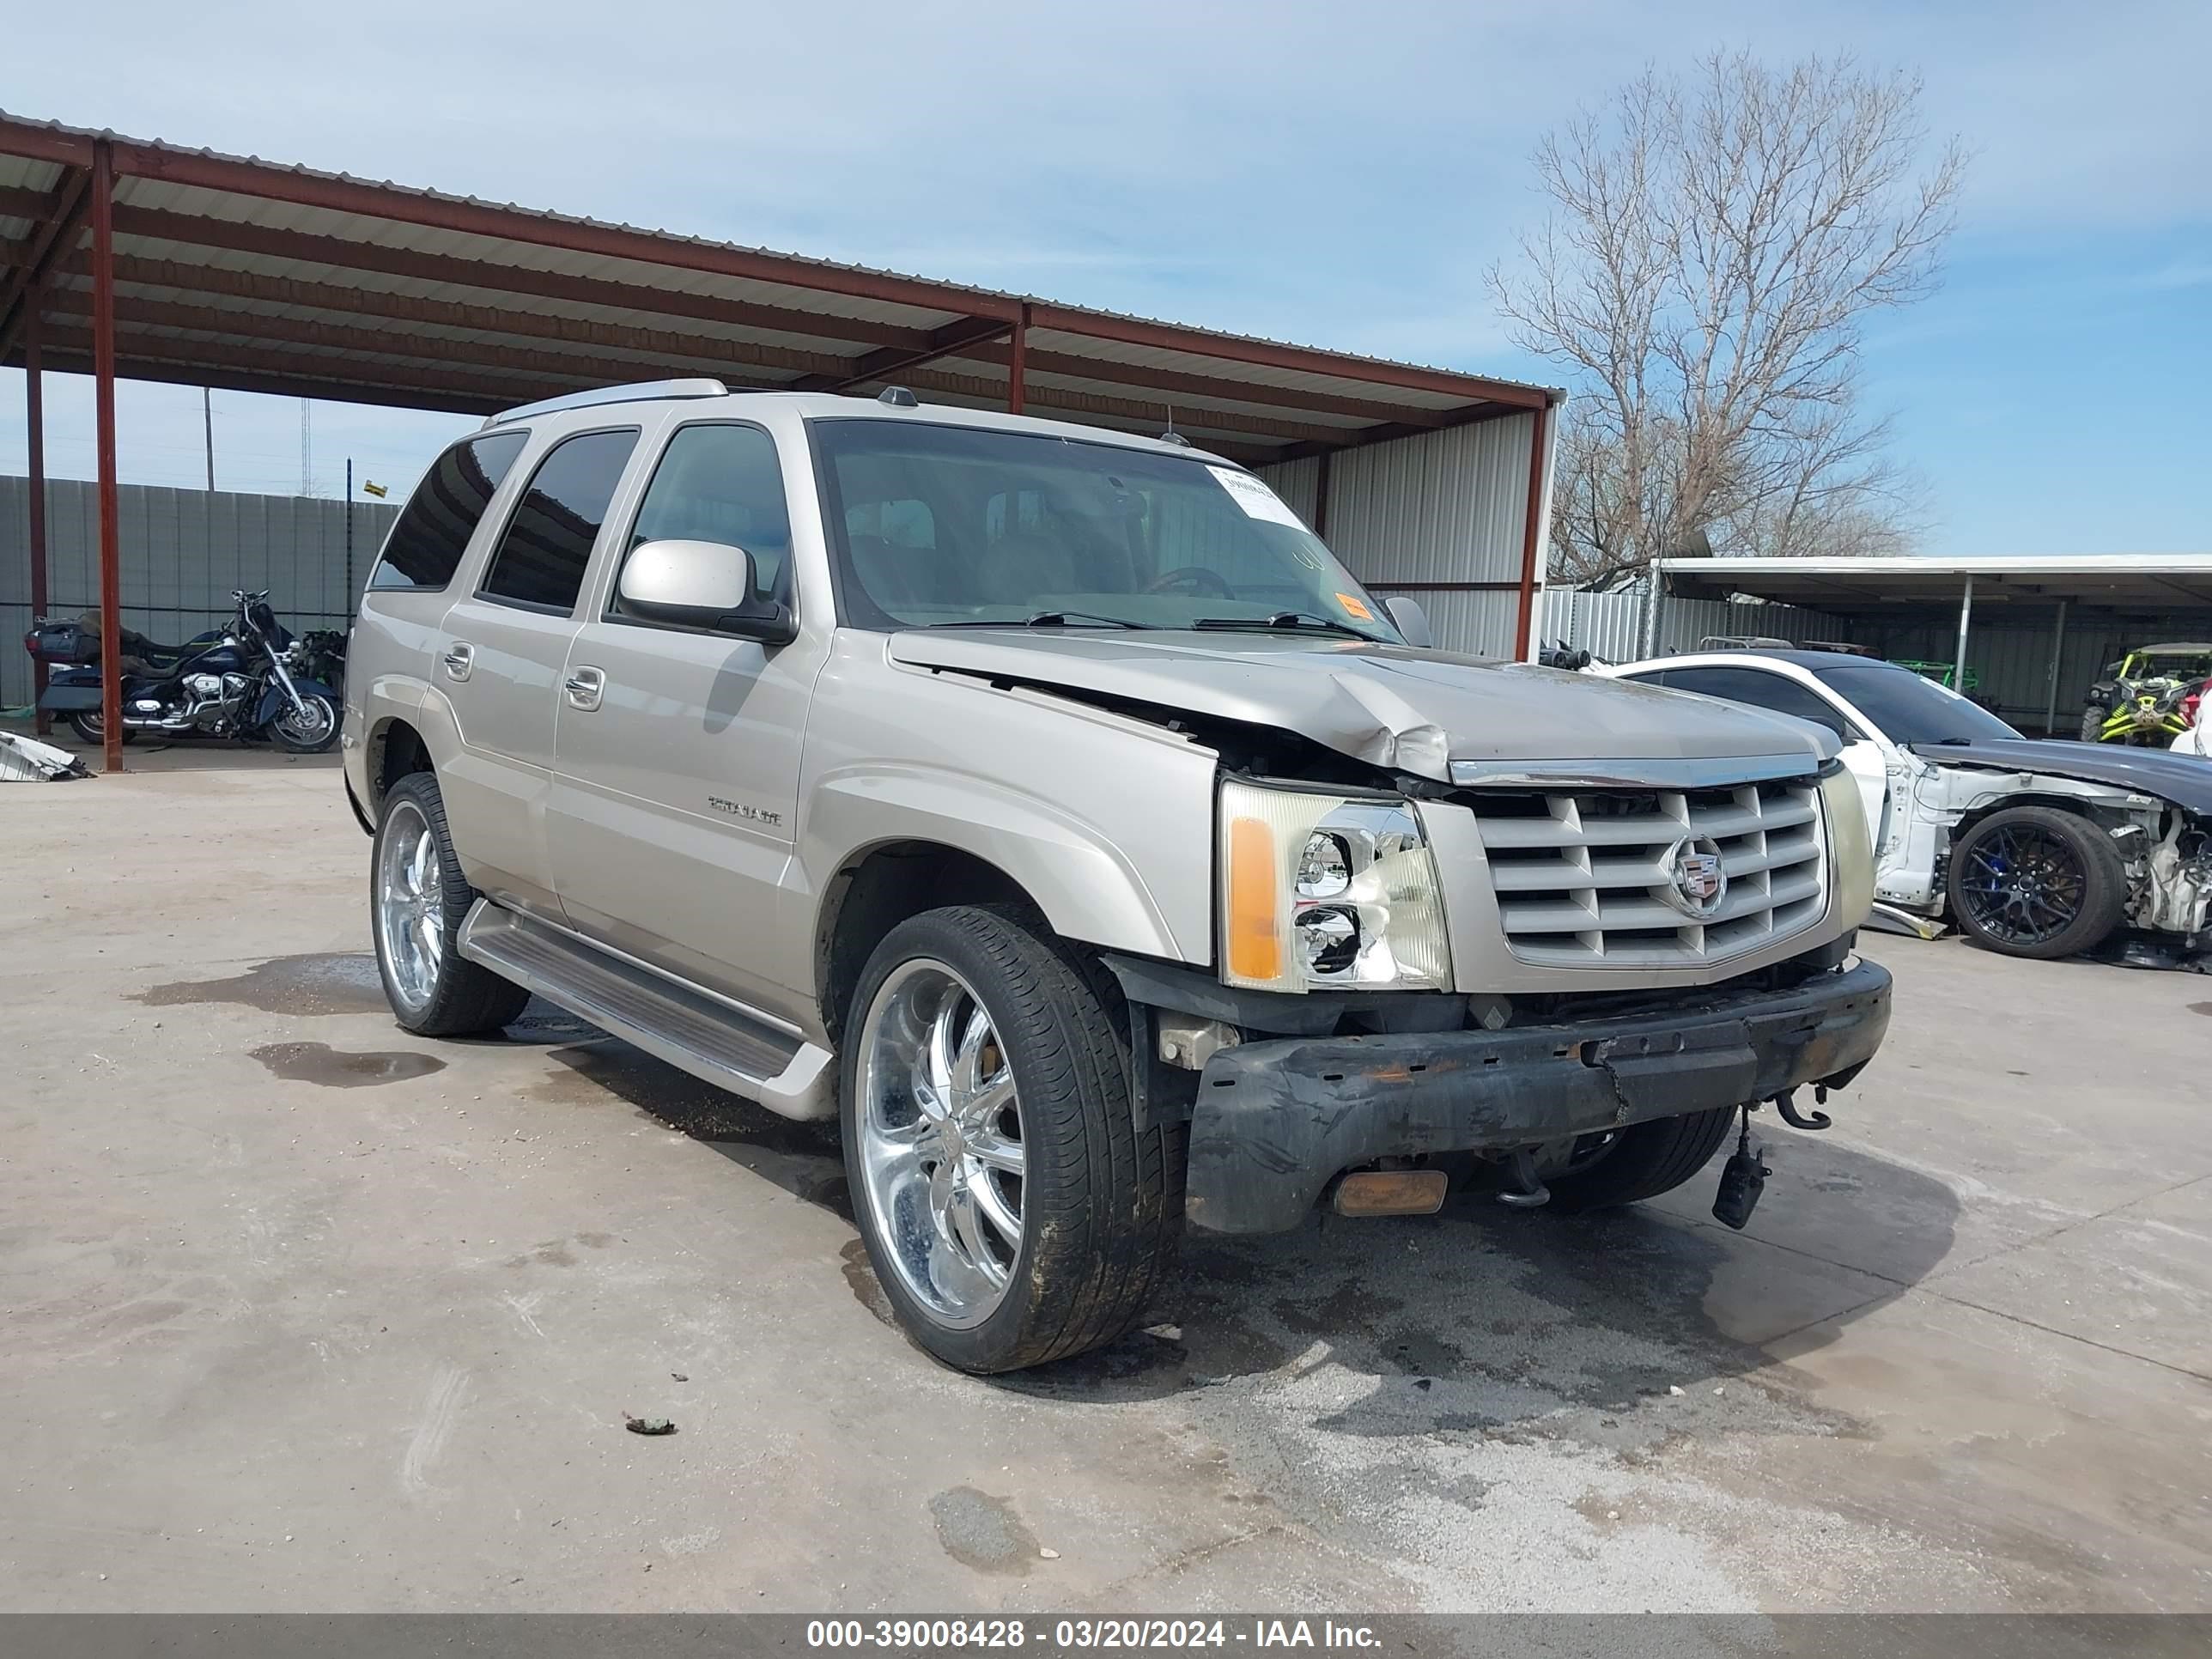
1696,882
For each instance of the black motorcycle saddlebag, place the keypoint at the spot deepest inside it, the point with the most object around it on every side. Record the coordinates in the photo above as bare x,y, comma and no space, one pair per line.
72,691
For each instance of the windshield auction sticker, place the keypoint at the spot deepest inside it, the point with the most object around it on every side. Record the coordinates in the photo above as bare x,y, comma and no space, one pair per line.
1255,498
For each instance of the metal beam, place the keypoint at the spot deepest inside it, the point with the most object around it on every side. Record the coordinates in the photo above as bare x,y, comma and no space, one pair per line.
952,340
1386,432
103,403
1053,397
1017,355
417,388
1320,496
197,283
1966,621
57,229
260,327
344,253
2057,657
1271,354
476,400
1217,388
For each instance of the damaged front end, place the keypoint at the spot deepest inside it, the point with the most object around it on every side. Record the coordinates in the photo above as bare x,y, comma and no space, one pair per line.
1274,1120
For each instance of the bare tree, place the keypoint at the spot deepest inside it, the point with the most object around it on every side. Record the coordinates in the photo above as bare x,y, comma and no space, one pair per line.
1715,246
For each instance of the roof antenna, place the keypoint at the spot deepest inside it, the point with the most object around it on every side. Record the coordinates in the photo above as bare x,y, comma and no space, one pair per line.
1172,436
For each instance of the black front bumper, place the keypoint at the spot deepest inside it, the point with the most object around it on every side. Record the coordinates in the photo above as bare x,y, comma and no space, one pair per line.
1275,1122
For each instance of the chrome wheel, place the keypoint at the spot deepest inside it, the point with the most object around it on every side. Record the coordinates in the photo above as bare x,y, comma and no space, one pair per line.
410,906
942,1160
309,726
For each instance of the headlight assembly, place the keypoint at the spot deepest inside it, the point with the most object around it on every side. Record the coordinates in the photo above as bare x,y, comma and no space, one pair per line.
1321,891
1850,847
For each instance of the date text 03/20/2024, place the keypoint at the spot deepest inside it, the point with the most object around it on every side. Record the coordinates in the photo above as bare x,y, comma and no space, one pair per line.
928,1634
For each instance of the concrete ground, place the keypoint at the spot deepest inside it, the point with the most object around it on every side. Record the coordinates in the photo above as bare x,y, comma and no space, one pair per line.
298,1312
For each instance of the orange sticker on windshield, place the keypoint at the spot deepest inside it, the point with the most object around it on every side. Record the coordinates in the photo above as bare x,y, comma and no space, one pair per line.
1353,608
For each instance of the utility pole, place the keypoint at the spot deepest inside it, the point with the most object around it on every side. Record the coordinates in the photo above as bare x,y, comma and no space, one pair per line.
307,450
207,419
349,595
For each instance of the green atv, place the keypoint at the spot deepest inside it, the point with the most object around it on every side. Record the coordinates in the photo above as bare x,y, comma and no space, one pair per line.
2141,699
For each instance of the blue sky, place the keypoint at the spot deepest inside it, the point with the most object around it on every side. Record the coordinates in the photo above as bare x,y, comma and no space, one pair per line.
1329,173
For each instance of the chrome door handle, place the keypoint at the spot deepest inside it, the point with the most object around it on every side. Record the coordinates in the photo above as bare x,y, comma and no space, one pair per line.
584,686
460,657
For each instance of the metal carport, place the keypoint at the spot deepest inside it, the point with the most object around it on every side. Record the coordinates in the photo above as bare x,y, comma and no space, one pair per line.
2053,618
120,257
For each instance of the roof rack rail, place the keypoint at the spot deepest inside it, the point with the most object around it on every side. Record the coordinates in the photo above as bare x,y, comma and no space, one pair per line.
641,392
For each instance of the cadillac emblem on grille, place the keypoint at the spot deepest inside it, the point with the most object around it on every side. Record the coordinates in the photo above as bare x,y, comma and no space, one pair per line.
1696,882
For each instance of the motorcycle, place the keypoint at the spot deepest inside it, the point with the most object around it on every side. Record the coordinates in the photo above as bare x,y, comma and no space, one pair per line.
235,682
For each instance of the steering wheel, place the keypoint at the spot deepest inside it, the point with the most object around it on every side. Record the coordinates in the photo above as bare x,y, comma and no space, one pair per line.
1196,578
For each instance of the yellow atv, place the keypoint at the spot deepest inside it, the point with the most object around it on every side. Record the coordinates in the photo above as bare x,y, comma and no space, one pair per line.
2141,699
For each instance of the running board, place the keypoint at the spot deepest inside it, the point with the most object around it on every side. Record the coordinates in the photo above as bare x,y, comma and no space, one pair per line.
712,1040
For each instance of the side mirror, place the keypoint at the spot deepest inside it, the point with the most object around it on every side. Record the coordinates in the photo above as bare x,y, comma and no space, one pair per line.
706,585
1413,621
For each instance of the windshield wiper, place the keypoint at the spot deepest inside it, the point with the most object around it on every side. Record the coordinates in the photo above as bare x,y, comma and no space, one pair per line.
1049,619
1290,620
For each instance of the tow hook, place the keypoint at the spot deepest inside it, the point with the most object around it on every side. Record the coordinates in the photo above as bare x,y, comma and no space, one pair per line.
1743,1177
1786,1106
1528,1191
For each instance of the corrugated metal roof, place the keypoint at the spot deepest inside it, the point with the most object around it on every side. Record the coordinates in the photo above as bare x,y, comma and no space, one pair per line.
235,271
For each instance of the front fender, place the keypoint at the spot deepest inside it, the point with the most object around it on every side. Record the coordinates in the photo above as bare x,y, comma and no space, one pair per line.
1090,887
273,698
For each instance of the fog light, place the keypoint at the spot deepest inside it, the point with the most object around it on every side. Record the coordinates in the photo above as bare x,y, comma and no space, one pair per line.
1328,939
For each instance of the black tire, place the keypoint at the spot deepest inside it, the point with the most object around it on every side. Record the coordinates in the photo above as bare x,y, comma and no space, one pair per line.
2084,873
469,999
1101,1202
287,740
1649,1160
2093,725
93,730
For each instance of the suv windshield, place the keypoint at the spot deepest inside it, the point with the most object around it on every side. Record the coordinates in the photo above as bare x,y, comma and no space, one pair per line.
1910,709
939,526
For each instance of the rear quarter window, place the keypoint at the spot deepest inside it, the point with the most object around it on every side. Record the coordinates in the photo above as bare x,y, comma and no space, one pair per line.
426,544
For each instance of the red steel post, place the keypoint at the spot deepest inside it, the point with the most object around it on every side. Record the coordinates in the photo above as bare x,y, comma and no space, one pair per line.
103,402
34,421
1539,426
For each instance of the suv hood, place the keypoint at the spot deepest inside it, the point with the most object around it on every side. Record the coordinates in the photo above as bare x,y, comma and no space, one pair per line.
1389,705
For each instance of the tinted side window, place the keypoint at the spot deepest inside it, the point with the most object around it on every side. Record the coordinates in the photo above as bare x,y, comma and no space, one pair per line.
425,547
540,559
1762,690
721,483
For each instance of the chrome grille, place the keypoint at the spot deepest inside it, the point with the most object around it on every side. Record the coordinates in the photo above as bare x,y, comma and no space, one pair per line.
1582,877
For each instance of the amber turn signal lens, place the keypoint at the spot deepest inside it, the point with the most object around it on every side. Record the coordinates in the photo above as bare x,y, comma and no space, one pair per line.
1255,945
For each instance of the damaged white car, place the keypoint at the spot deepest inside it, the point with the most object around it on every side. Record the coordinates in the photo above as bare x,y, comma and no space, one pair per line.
2033,849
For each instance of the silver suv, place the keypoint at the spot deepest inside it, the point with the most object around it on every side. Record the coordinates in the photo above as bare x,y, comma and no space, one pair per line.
1049,806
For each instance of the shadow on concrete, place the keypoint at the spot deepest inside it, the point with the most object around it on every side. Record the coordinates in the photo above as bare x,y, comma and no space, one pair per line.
802,1158
1477,1319
1485,1319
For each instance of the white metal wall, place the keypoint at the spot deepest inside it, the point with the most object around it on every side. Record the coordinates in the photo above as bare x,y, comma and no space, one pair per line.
1298,482
1437,516
183,551
1609,626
